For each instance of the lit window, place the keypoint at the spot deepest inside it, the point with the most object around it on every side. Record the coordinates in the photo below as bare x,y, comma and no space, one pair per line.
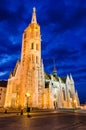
37,47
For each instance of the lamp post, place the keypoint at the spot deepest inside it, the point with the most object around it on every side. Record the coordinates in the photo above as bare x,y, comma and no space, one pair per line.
28,95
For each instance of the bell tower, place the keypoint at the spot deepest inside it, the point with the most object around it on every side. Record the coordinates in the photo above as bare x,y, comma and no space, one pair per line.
31,46
30,61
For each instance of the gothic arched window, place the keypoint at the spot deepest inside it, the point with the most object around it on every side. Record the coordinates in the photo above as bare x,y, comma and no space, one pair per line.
33,58
36,59
70,94
37,47
32,45
64,94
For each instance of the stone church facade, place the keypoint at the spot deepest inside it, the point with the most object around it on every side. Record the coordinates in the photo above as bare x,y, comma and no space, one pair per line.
29,85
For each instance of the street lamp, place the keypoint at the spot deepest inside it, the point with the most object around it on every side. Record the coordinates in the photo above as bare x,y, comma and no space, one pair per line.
28,95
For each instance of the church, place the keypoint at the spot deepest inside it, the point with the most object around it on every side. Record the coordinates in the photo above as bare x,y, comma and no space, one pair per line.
29,85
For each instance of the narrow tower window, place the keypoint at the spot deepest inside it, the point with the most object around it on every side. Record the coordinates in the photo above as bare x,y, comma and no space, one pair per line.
32,46
36,59
32,58
70,94
64,94
37,47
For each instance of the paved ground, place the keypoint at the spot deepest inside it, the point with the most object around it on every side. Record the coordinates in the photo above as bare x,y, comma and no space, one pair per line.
44,121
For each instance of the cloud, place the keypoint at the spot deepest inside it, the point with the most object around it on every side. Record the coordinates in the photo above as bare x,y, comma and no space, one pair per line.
2,73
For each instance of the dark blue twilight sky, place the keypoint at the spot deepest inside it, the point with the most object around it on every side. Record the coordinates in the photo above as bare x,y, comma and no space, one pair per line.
63,30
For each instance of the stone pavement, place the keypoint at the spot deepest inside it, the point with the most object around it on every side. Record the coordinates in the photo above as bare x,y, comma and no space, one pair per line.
39,112
44,121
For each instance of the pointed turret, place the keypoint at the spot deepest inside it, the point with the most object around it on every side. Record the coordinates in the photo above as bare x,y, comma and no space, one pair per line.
34,16
11,74
77,99
71,78
54,70
67,80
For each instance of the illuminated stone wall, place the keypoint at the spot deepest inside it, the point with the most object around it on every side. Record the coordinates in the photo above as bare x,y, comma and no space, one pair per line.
27,76
59,94
2,95
27,83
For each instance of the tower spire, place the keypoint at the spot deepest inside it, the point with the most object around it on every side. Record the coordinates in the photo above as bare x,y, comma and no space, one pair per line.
54,70
34,16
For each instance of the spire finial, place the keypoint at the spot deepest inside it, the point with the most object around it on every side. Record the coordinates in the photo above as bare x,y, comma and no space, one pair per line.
34,9
34,16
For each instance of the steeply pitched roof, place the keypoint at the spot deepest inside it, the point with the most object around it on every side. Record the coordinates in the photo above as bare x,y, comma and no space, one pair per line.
48,77
55,78
63,79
